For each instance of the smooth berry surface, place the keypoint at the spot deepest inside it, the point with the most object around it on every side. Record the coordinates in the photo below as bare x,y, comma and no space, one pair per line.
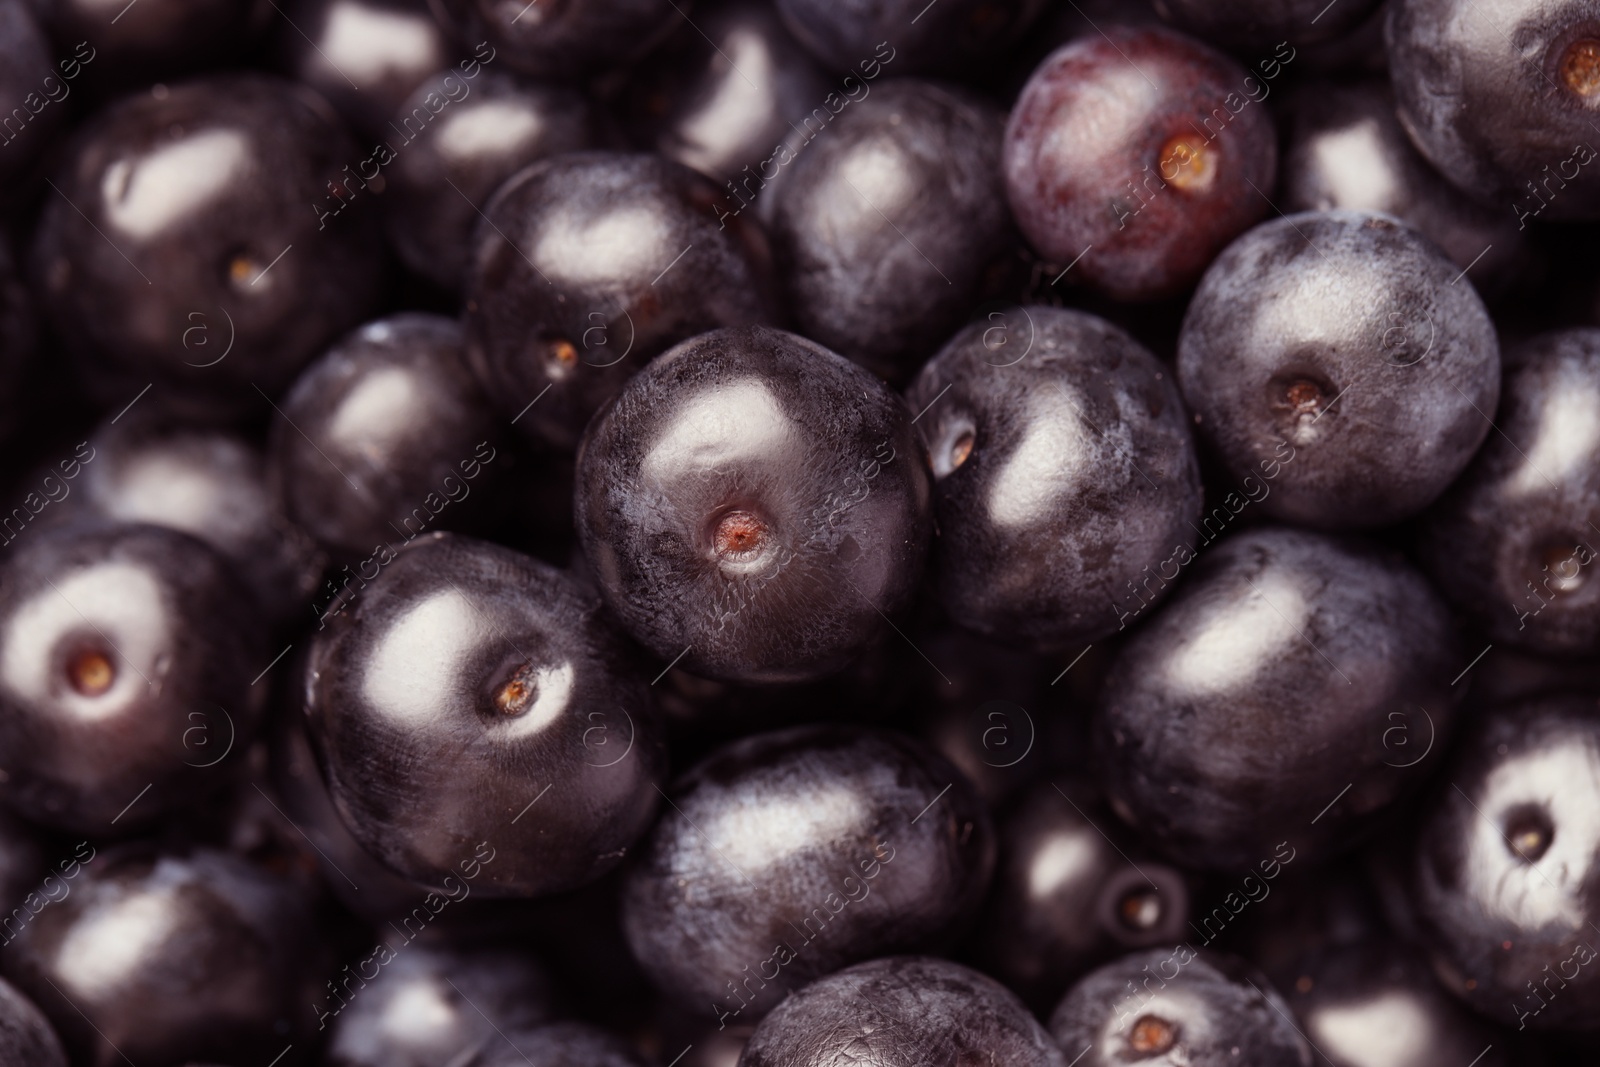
498,674
1136,155
1282,700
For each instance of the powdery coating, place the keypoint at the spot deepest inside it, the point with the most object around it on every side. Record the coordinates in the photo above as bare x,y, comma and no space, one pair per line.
386,418
562,39
1345,149
429,1004
1091,168
559,1045
904,1011
498,126
885,224
791,854
464,682
1263,23
171,958
1481,92
1079,473
769,424
1219,1010
1504,872
1288,666
111,638
26,1039
947,38
203,190
590,264
1514,542
1339,336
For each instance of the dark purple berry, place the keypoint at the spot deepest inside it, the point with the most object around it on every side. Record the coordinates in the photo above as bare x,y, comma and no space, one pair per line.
1515,540
788,855
587,266
886,225
1136,155
901,1010
753,506
1064,471
450,694
1287,694
1341,363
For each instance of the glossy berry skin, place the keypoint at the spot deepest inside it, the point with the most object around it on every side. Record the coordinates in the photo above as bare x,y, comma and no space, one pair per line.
491,127
115,643
385,436
885,224
1513,542
1503,882
363,56
252,157
171,958
1346,150
432,1002
26,62
1332,656
790,854
1329,354
754,505
563,40
1064,471
359,882
26,1039
574,284
1260,24
559,1045
947,39
901,1011
1503,101
445,696
1375,1004
720,95
1067,896
1145,177
1174,1006
210,483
